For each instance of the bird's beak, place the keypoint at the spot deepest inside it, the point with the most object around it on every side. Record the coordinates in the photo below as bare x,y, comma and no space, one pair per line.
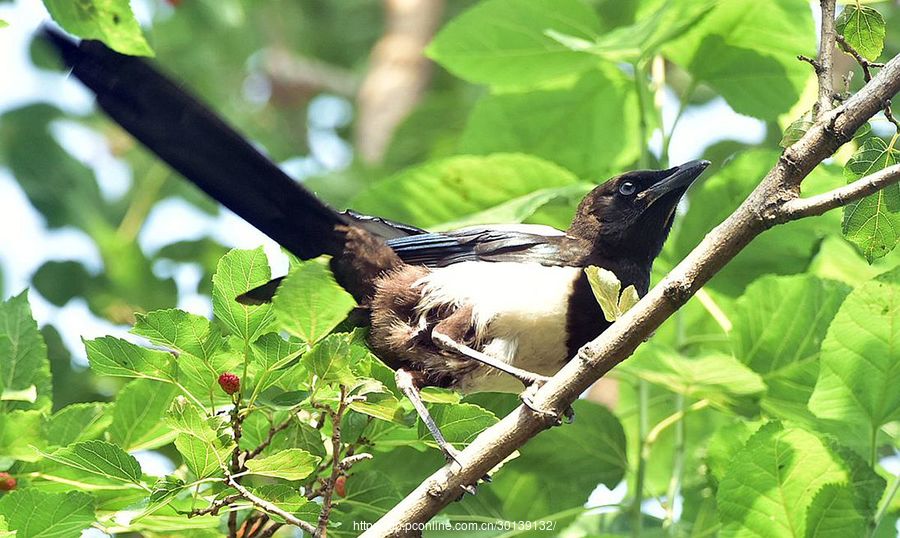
679,177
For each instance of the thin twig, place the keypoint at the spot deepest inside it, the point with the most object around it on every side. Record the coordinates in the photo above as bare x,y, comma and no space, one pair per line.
816,205
272,529
266,506
825,62
328,490
214,507
236,421
273,431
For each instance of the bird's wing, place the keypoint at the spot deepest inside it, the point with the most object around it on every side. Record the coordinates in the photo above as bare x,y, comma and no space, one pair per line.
514,243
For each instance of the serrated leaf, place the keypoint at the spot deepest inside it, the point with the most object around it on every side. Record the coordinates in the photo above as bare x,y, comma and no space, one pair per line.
290,464
772,482
24,355
238,272
271,356
289,499
100,459
110,21
451,189
833,513
115,357
860,369
179,331
873,223
48,515
864,29
204,451
506,42
330,359
137,415
78,422
309,303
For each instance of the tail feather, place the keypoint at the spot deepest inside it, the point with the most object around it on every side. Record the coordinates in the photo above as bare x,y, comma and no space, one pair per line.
203,148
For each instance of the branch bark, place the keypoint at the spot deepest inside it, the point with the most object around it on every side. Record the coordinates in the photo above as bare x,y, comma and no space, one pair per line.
763,208
824,70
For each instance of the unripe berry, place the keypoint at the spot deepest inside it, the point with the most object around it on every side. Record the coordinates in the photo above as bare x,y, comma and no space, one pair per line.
7,482
230,383
340,486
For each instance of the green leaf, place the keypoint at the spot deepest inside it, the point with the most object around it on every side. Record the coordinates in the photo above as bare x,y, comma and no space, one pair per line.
381,406
718,377
271,354
36,513
450,189
747,50
330,359
179,331
599,110
779,325
110,21
772,483
863,28
520,208
137,415
606,286
115,357
204,451
725,443
100,459
78,422
833,513
860,369
309,303
164,491
460,423
238,272
667,21
796,129
506,42
289,499
290,464
873,223
20,434
369,496
24,355
3,24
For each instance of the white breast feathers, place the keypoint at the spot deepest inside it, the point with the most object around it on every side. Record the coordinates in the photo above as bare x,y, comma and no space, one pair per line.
519,313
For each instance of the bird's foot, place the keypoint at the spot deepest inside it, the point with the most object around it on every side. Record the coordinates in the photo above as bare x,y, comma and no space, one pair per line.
527,397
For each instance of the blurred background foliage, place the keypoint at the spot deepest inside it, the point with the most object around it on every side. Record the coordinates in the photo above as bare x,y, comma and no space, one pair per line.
343,96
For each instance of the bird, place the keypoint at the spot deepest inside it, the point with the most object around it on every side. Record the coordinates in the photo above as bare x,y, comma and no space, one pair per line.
483,308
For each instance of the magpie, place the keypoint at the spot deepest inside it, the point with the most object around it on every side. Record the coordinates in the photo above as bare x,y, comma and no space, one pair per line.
483,308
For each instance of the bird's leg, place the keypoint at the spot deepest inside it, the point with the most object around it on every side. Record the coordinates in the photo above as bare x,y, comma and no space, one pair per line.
531,380
449,344
407,384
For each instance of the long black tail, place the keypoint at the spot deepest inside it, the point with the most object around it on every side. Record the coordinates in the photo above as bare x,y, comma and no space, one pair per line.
202,147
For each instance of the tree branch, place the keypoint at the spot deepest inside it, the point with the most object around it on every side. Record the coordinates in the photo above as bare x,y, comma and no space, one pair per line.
266,506
825,62
762,209
816,205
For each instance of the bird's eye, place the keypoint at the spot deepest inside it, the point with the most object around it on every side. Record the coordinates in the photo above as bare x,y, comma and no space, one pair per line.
627,188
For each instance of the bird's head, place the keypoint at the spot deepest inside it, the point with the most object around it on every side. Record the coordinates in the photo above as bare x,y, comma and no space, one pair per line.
631,214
